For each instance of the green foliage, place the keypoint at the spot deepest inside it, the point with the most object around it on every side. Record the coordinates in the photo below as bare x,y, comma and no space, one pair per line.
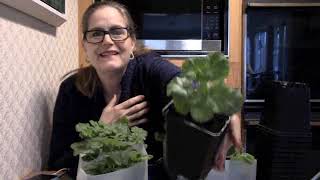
108,147
200,89
245,157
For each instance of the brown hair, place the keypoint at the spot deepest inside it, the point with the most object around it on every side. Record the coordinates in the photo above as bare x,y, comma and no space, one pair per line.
87,79
98,5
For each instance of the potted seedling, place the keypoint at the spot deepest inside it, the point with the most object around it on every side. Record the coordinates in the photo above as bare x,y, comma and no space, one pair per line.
112,151
242,166
198,116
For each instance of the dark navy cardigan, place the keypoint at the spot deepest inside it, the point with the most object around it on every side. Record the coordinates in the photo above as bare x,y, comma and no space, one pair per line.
146,75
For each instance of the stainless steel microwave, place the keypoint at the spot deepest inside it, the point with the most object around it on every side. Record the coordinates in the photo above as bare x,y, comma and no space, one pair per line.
179,26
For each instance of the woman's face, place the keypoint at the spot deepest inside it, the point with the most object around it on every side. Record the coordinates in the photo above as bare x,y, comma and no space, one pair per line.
108,55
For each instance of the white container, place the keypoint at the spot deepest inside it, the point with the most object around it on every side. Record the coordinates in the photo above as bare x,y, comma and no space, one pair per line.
240,170
138,171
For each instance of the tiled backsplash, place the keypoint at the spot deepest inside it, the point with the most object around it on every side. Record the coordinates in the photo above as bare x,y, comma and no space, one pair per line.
33,58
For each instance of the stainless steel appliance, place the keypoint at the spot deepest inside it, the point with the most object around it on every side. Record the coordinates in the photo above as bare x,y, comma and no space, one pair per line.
179,27
282,43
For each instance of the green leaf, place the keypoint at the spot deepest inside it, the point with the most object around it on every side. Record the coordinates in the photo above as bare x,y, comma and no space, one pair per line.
108,147
244,157
200,89
200,114
123,120
181,105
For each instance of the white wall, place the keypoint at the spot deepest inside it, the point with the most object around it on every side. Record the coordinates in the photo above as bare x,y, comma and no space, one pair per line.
33,58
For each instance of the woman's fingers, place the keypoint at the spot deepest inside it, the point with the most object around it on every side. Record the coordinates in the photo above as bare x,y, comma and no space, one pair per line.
134,108
137,108
233,137
137,122
222,153
109,113
235,131
112,102
130,102
137,115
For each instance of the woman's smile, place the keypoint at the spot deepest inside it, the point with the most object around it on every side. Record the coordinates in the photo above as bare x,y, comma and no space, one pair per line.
108,53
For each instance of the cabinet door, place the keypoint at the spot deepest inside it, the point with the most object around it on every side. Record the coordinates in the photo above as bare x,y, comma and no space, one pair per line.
82,6
235,38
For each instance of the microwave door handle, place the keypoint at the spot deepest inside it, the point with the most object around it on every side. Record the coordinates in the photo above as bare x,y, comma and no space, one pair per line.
287,4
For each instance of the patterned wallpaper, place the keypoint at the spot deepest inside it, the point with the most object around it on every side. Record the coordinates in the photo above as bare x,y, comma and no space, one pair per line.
33,58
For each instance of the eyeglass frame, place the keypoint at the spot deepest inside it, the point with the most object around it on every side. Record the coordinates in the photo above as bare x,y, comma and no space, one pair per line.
105,33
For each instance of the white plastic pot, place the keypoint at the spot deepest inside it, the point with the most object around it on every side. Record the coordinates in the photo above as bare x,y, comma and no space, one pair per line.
138,171
240,170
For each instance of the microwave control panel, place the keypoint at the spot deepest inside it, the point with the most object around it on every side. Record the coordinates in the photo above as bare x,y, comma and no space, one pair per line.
212,20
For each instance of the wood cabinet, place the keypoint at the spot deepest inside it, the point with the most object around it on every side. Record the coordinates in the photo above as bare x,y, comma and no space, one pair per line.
82,6
235,51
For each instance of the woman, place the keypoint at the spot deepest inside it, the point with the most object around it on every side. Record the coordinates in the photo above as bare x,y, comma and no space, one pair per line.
122,80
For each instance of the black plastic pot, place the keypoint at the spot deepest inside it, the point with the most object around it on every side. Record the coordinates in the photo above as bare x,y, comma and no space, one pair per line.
190,148
287,107
287,154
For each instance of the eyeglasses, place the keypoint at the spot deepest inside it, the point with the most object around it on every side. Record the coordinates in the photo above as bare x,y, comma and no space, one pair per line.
97,36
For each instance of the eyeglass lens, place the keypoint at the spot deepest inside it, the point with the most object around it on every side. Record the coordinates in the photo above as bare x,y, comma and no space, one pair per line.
96,36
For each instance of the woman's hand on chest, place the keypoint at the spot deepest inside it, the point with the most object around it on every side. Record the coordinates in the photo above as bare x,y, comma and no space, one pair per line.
134,109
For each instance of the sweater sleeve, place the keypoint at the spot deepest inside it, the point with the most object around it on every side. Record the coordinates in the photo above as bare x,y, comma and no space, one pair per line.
160,72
